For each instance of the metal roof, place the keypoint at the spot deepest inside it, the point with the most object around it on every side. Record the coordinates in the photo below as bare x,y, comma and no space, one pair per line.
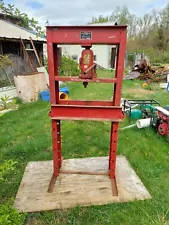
109,23
13,31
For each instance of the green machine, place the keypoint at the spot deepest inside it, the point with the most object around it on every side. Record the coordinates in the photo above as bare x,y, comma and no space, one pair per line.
148,111
140,109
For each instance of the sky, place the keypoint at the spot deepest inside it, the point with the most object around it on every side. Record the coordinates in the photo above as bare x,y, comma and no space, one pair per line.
79,12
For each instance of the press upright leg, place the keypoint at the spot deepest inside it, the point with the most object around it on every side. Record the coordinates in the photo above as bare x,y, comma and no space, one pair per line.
56,146
112,155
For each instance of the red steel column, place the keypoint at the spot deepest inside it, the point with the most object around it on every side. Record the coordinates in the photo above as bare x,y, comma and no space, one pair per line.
59,146
113,149
54,99
55,148
119,69
56,84
121,50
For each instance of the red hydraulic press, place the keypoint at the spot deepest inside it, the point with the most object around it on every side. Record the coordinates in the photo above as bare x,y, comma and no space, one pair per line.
85,36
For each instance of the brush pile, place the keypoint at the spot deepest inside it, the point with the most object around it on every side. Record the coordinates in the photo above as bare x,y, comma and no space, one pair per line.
143,71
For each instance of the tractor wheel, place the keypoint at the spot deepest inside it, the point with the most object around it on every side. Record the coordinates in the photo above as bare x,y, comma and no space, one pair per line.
163,129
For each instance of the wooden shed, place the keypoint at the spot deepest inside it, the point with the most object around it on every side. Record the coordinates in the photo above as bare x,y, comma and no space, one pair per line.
15,42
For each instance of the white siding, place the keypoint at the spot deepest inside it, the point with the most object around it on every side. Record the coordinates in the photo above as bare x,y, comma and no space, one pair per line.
101,52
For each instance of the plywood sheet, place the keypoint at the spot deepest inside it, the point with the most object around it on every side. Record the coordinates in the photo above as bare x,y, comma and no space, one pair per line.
73,190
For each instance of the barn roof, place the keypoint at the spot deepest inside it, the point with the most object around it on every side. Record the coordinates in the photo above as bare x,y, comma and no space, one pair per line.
12,31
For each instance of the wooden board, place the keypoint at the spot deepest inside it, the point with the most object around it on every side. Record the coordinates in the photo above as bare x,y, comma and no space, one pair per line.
73,190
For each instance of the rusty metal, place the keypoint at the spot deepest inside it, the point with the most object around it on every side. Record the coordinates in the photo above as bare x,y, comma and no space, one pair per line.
52,184
111,111
114,187
91,67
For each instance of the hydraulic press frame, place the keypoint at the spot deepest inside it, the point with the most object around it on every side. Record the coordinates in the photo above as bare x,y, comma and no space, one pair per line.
85,110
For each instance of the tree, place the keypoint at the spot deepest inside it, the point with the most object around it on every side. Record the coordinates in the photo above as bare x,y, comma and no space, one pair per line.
100,19
121,16
148,33
22,18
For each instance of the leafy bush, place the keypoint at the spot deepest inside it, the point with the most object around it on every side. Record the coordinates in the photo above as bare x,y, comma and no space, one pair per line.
4,101
5,168
5,61
21,19
69,67
9,216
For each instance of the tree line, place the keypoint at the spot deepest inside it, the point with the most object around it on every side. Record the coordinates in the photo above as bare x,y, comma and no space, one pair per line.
148,33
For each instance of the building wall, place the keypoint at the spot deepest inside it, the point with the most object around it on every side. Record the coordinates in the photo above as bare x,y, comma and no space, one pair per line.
20,64
101,53
110,55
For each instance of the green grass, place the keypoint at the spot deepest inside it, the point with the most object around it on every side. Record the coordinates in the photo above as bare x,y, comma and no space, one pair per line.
25,135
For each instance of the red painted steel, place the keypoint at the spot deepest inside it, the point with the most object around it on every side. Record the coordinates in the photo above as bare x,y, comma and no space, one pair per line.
119,69
85,110
77,79
71,34
87,65
55,140
113,149
81,102
59,143
163,127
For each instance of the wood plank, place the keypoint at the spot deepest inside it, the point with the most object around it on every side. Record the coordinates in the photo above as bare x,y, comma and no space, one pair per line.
73,190
84,172
37,56
24,49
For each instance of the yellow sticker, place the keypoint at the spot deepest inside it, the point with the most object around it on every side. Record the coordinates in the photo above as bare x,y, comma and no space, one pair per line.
86,59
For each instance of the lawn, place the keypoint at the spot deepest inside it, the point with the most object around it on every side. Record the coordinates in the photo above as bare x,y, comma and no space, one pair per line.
25,135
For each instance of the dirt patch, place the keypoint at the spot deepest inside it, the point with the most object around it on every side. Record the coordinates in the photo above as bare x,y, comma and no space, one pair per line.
139,91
